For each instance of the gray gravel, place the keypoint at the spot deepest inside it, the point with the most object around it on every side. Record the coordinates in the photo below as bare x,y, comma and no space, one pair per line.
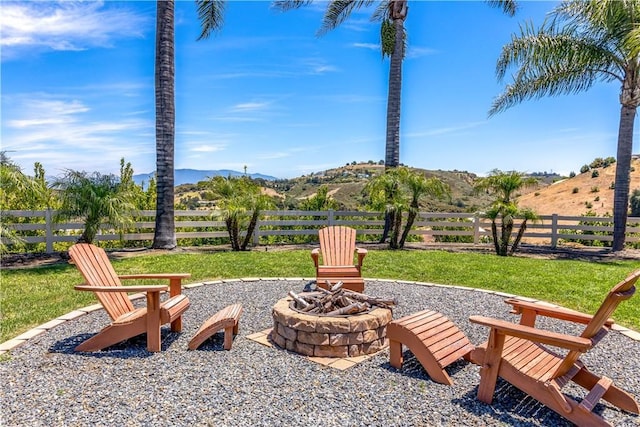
45,383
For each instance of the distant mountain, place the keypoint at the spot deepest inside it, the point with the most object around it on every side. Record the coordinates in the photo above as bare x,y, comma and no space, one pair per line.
193,176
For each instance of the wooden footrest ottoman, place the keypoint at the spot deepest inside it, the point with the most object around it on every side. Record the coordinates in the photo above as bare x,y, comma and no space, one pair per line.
226,319
432,338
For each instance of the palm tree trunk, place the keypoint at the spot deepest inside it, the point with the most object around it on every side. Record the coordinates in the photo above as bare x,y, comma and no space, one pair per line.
392,148
411,217
507,228
165,234
250,228
395,233
622,180
387,226
516,242
494,233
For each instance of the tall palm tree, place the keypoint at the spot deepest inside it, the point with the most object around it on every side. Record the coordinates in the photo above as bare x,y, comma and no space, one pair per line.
210,15
391,14
164,236
581,43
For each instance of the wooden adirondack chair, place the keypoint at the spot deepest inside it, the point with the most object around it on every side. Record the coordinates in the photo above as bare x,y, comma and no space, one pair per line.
337,247
127,321
517,354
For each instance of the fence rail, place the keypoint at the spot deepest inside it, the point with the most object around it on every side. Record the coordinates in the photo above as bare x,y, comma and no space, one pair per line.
39,227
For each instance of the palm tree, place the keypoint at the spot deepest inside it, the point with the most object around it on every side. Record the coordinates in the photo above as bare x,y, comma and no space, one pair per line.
210,15
581,43
418,186
391,14
164,236
95,198
241,203
505,185
397,191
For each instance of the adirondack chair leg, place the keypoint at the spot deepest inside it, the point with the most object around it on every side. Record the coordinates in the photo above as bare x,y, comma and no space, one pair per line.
614,394
175,288
490,367
395,354
153,321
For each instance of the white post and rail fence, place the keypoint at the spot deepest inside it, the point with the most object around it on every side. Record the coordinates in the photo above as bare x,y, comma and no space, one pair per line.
285,226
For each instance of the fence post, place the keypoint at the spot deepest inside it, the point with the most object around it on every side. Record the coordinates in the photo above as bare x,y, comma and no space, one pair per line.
330,218
554,231
476,228
48,230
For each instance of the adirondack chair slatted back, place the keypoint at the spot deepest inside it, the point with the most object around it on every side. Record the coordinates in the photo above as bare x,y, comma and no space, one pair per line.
337,244
596,329
97,270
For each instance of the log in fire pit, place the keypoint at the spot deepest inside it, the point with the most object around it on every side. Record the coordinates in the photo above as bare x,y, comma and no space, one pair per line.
331,323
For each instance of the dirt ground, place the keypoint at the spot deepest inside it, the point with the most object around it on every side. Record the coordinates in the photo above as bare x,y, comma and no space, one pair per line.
30,260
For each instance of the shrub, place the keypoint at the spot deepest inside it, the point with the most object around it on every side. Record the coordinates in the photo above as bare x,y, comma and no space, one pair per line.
595,189
588,205
595,174
572,174
575,190
634,201
597,199
584,168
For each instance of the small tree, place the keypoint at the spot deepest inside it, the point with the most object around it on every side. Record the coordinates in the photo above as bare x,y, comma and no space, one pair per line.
634,201
241,203
95,198
400,190
321,201
504,209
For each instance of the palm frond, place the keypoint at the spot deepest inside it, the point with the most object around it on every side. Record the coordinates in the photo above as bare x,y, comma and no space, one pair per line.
285,5
509,7
211,16
338,11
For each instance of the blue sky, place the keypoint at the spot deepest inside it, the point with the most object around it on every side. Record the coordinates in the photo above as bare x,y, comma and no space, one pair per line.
78,91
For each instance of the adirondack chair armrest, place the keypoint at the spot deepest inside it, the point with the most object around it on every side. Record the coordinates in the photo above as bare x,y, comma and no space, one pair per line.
533,309
156,276
175,279
315,255
144,288
533,334
361,254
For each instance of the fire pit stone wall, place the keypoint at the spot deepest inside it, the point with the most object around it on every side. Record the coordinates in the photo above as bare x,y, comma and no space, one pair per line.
329,336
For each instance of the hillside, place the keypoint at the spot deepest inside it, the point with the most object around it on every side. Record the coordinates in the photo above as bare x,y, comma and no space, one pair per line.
569,196
580,194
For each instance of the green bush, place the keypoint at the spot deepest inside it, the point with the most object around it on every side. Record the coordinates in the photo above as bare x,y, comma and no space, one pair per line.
595,174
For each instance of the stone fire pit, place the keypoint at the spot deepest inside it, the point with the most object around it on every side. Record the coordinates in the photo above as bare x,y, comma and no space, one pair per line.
329,336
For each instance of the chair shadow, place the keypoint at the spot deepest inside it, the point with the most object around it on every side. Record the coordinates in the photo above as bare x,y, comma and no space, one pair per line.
412,368
510,405
214,343
135,347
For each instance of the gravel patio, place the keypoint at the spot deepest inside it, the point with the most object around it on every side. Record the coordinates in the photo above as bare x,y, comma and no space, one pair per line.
45,383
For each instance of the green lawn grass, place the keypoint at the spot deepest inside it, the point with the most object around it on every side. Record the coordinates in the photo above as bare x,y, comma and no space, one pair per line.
30,297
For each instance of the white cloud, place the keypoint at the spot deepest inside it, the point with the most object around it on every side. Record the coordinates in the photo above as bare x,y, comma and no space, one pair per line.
371,46
65,25
62,133
249,106
417,51
444,130
207,148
